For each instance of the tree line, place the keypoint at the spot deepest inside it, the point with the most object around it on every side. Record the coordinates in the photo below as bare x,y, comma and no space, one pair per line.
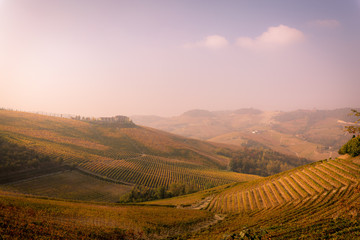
142,193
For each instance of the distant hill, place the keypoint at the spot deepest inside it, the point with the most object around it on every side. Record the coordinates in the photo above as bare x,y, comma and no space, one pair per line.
312,134
198,113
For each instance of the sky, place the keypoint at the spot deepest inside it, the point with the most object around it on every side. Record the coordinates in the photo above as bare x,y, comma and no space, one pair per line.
164,57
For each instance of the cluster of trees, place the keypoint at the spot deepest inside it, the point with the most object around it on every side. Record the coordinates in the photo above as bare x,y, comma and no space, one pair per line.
263,162
255,158
142,193
14,157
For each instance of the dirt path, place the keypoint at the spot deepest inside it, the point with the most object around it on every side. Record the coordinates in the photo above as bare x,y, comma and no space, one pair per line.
202,205
217,218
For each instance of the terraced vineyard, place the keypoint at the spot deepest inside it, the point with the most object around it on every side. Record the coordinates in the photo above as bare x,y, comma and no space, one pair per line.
310,183
330,215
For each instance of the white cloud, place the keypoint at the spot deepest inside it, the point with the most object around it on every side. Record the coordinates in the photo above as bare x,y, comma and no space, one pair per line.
213,42
274,36
327,23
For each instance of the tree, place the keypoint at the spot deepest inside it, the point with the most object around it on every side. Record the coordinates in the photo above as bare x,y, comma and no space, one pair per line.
354,128
352,147
161,192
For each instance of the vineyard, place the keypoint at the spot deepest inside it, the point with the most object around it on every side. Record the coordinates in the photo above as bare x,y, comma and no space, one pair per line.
316,201
331,215
153,171
303,184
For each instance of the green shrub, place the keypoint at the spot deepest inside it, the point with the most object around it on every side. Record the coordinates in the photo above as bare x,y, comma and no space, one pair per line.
352,147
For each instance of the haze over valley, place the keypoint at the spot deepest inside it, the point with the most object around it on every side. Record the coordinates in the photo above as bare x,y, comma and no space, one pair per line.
312,134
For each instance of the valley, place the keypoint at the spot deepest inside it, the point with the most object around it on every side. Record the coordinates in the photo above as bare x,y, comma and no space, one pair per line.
112,179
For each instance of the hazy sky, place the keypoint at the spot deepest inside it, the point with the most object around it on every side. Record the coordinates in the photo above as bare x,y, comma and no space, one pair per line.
164,57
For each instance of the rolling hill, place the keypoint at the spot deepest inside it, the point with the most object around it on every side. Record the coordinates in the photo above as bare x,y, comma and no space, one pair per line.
311,134
111,150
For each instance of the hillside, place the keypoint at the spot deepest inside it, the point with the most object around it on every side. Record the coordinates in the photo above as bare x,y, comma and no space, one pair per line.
311,134
109,149
309,181
316,201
